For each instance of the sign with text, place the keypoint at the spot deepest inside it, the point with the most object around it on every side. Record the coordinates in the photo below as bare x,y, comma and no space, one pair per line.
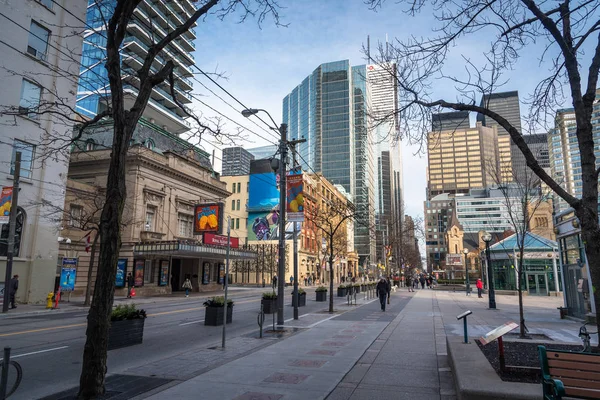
220,240
5,203
498,332
295,198
454,259
208,218
68,274
121,272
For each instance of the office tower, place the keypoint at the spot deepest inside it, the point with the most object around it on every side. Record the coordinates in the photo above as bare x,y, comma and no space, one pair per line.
438,212
151,22
538,144
330,110
505,104
39,60
450,121
461,159
261,152
488,209
236,161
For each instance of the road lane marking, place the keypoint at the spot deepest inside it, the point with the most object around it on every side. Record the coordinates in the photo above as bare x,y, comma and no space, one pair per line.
36,352
193,322
194,309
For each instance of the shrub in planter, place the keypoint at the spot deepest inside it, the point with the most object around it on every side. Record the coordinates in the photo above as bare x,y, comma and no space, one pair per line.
301,298
126,326
321,292
342,290
269,302
214,311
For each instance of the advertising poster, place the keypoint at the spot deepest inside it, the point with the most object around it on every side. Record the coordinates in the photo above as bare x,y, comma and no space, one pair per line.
221,273
454,259
163,278
205,273
265,226
68,274
138,273
295,198
121,272
264,189
5,202
208,218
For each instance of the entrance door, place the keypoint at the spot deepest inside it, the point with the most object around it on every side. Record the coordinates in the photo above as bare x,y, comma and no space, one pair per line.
531,284
537,284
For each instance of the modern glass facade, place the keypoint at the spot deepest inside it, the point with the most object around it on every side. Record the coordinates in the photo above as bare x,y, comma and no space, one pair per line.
152,20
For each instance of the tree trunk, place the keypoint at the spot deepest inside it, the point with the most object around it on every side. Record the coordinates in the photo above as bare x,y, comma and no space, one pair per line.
331,272
590,233
88,288
93,369
520,275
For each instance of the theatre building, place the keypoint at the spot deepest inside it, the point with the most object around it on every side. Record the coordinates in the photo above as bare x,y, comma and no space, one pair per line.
173,194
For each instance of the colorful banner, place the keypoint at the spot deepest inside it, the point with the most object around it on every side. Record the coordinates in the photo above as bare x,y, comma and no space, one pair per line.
205,273
265,226
295,198
68,274
5,202
221,273
139,273
208,218
163,278
220,240
121,272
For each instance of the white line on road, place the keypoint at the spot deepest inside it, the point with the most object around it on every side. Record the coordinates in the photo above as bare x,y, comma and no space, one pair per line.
300,316
36,352
192,322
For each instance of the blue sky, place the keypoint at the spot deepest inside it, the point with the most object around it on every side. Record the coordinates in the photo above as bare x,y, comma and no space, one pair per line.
263,65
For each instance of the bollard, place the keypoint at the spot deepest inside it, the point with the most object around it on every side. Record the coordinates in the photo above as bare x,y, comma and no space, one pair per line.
261,320
4,378
464,316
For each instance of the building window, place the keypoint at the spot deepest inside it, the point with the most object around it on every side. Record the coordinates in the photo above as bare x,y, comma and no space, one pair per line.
90,145
47,3
237,223
238,204
75,214
150,218
38,41
27,152
150,144
232,205
18,234
186,225
239,188
233,187
31,94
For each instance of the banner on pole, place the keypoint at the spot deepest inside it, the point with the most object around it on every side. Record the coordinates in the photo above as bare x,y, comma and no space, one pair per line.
5,203
295,198
68,274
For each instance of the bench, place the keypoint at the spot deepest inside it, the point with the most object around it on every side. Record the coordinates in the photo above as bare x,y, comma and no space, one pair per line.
569,374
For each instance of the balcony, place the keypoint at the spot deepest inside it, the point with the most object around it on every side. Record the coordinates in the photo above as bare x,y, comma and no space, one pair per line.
135,62
142,49
162,115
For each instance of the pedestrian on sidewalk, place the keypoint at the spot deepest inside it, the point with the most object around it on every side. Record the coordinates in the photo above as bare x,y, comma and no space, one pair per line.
382,292
13,286
409,283
479,285
187,285
422,280
130,284
415,282
274,281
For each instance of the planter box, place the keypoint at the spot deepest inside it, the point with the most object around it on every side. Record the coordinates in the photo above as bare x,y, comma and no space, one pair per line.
321,296
125,333
356,289
214,315
301,300
269,306
341,292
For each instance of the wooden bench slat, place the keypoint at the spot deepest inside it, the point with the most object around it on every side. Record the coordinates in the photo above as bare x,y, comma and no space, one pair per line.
558,373
586,358
581,383
579,366
585,393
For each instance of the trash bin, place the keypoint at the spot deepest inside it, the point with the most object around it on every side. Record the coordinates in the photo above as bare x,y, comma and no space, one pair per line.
563,312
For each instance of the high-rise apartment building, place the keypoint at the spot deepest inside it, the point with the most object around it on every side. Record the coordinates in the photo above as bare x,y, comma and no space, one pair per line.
40,56
236,161
263,151
461,159
538,144
330,110
438,213
151,22
505,104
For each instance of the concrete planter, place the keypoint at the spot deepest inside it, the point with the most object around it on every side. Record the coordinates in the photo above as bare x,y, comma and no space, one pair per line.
213,316
356,289
125,333
269,306
301,300
321,296
341,292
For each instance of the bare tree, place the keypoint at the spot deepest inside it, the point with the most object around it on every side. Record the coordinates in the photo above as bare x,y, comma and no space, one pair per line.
567,38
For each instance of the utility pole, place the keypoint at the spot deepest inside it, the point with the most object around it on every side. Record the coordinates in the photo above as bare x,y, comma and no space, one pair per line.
292,144
226,282
282,189
12,221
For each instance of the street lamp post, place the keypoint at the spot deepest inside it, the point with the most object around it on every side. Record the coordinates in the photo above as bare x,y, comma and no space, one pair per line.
466,251
487,238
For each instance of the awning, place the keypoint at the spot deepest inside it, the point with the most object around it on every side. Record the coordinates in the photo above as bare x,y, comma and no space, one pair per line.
190,249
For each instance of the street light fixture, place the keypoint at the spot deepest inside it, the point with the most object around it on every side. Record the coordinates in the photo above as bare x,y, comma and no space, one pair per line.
487,238
466,251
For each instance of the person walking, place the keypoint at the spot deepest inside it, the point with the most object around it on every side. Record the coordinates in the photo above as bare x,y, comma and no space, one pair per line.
479,285
422,280
130,284
382,292
305,281
409,284
187,285
274,281
415,282
389,288
13,286
292,280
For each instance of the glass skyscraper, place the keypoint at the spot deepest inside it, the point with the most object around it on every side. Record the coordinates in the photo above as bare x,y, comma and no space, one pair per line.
152,21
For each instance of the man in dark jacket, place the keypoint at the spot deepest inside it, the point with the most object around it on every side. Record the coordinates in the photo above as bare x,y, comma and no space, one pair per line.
130,284
382,292
13,286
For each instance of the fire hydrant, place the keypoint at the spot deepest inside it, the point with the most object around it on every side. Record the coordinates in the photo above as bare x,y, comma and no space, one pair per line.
49,300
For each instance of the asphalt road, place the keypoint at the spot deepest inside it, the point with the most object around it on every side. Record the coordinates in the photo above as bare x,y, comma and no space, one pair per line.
49,347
